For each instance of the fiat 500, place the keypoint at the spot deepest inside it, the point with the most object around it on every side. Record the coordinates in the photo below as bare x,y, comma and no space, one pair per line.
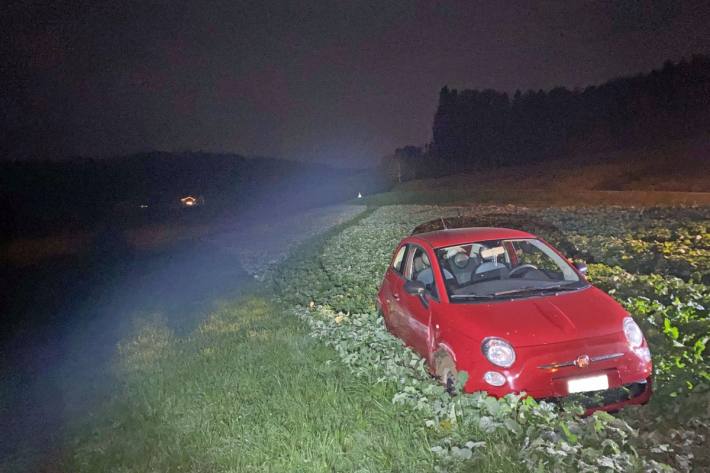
516,315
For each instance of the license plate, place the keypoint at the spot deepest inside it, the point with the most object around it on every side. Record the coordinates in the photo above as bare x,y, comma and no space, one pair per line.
590,383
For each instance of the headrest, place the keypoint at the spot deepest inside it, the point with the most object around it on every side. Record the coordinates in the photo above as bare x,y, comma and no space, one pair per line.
491,252
419,264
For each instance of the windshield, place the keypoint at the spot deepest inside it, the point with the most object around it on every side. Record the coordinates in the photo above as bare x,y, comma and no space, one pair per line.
504,269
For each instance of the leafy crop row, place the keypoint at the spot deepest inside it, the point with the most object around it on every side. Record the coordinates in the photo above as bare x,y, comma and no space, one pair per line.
339,280
676,321
669,241
514,433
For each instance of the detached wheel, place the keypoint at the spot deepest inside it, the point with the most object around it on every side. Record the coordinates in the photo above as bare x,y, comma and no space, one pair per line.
445,371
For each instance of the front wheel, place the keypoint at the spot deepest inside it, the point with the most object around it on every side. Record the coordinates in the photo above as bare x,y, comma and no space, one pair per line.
445,371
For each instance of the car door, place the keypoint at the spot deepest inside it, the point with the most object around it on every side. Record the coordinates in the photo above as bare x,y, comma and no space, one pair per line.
392,290
416,310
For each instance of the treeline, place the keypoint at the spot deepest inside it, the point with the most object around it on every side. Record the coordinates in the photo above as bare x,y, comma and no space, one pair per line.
487,127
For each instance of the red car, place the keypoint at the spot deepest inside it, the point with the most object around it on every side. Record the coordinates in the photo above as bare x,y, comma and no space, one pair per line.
509,309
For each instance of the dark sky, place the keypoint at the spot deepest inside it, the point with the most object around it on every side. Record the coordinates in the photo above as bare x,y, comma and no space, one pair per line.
342,82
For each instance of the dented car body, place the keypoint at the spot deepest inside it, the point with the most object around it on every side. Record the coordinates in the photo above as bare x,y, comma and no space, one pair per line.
516,315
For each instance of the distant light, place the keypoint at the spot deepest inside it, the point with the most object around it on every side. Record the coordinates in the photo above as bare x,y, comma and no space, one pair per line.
359,195
143,206
189,201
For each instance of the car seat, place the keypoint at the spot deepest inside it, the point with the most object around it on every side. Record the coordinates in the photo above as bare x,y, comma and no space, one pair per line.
422,272
463,273
486,266
419,271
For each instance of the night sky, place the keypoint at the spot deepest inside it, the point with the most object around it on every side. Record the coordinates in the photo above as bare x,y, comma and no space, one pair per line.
339,82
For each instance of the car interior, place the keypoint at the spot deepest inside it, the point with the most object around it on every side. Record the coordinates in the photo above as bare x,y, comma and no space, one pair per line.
500,261
422,271
486,267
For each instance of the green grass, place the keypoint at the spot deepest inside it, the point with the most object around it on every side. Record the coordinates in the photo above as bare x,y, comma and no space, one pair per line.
423,194
255,388
250,390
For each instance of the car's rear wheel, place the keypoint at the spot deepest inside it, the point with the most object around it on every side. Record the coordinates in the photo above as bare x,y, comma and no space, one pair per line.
445,371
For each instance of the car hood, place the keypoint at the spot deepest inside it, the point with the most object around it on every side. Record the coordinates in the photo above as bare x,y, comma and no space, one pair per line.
533,321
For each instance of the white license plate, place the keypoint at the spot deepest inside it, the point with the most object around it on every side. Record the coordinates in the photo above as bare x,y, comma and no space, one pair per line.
590,383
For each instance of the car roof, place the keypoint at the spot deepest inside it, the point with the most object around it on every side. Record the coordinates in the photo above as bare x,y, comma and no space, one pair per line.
461,236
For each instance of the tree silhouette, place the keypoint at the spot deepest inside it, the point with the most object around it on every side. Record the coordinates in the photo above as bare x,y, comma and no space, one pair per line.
473,128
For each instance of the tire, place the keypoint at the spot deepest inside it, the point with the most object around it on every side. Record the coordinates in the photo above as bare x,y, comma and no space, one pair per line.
445,371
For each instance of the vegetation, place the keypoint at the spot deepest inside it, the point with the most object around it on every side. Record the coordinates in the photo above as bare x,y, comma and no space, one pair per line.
562,184
681,360
479,128
251,390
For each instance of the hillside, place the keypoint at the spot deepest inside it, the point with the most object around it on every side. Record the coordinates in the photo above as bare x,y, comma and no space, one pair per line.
474,129
671,173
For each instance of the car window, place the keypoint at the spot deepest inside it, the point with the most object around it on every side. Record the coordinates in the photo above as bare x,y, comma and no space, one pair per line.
505,269
529,253
397,262
419,269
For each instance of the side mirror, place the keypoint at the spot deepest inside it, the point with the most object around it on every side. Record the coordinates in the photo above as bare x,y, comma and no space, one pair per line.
415,288
581,267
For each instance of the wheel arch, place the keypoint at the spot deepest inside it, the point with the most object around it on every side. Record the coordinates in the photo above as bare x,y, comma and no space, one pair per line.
444,348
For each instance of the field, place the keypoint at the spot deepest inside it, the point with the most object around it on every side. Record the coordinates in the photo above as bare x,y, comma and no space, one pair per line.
302,375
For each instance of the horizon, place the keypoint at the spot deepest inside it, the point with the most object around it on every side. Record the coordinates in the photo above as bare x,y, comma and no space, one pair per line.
369,164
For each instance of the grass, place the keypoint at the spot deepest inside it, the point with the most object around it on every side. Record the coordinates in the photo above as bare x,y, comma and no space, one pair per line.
461,193
667,175
250,390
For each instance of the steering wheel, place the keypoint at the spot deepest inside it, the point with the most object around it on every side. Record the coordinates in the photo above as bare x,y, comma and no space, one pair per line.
525,267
